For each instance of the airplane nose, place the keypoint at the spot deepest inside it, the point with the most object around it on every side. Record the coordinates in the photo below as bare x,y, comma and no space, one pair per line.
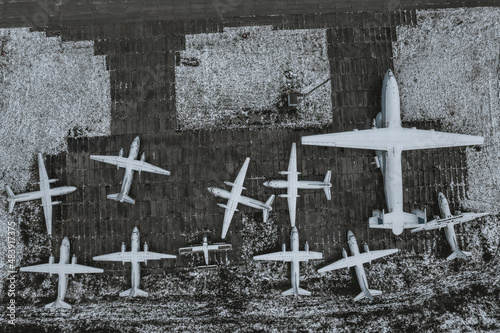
136,230
65,241
349,234
389,72
211,189
266,184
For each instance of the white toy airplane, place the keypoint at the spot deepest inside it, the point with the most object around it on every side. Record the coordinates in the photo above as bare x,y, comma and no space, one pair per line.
357,260
205,248
46,193
448,222
295,257
234,197
130,164
134,256
63,268
389,139
292,184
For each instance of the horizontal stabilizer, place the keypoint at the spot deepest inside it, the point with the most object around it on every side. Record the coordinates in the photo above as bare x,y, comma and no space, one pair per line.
133,292
10,198
367,294
287,196
395,221
459,254
328,193
58,305
299,291
265,211
121,198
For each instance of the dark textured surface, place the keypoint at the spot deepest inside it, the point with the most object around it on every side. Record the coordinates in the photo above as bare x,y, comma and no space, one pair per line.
173,210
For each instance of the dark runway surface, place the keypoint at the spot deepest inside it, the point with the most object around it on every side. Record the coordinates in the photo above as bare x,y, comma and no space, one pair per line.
140,40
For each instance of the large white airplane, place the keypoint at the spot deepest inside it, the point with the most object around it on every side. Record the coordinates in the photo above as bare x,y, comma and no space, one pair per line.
63,268
448,221
46,193
135,257
389,139
292,184
357,260
295,257
130,164
234,197
205,247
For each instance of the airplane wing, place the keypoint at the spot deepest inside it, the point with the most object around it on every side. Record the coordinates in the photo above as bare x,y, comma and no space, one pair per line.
41,169
441,223
289,256
359,259
387,138
189,249
114,160
228,216
61,268
238,182
220,247
47,212
140,256
144,166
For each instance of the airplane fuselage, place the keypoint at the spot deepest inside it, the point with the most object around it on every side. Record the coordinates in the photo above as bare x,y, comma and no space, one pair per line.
135,265
45,193
62,283
295,263
129,172
391,159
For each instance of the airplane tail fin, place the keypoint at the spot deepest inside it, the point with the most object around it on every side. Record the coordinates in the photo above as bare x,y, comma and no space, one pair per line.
369,293
265,211
121,198
328,193
459,254
10,198
132,292
299,291
58,305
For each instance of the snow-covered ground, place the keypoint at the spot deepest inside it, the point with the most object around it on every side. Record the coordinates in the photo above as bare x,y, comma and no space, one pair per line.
226,81
448,70
49,90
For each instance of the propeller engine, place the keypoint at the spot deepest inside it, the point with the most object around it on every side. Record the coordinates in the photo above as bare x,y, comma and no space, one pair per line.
344,253
306,247
367,249
143,157
123,247
73,262
283,247
53,180
120,154
458,213
55,203
51,259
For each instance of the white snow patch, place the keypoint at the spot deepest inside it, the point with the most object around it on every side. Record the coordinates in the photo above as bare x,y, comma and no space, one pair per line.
447,68
226,81
49,90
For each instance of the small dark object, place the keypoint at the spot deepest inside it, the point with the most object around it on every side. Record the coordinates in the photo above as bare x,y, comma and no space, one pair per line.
245,35
292,98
